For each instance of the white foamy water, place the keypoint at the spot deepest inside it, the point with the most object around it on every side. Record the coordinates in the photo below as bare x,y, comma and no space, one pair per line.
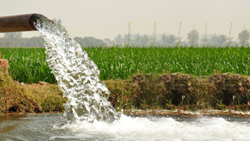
77,75
159,129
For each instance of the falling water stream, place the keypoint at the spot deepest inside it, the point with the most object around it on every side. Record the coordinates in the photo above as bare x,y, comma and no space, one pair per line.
77,76
91,117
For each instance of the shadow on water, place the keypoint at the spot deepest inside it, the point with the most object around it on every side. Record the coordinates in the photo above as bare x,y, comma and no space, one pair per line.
9,123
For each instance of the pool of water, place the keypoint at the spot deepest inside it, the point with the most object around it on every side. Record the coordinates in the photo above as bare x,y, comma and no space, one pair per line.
55,128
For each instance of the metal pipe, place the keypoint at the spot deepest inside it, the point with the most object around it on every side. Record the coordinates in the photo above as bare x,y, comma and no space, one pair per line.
18,23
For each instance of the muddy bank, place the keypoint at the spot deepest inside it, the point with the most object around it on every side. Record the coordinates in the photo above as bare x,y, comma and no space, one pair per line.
166,93
181,91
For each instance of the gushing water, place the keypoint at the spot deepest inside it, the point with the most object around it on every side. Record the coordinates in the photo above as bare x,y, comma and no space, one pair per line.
77,76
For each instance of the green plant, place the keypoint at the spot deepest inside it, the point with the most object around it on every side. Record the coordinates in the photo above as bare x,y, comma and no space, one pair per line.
29,65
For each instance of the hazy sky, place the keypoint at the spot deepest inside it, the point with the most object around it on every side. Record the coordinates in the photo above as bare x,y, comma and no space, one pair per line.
108,18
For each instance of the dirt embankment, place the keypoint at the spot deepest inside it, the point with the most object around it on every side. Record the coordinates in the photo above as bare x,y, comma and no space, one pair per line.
182,91
145,91
29,98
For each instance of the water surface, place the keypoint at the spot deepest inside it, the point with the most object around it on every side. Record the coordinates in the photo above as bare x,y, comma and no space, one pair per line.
54,127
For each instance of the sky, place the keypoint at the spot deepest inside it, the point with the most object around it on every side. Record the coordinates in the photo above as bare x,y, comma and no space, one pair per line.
108,18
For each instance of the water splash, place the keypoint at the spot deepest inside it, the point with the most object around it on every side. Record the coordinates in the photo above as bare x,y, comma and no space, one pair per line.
77,76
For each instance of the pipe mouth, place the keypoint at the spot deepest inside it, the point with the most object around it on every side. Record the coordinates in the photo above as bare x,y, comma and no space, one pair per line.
34,18
18,23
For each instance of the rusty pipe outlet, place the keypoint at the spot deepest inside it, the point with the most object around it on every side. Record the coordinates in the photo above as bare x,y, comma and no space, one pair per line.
18,23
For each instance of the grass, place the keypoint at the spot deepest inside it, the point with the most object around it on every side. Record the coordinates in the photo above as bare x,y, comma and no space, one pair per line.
33,98
29,65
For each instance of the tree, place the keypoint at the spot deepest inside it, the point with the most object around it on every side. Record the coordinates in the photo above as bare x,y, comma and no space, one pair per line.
244,37
193,38
89,41
119,39
168,40
218,40
108,42
80,41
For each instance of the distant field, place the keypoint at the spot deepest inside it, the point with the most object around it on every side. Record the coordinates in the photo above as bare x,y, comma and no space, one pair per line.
29,64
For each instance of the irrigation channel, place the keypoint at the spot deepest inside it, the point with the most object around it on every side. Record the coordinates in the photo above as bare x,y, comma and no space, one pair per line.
89,115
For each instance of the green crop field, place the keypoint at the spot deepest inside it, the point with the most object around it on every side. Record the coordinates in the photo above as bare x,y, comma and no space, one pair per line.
29,65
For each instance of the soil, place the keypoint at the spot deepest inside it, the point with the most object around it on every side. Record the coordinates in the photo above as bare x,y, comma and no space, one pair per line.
143,94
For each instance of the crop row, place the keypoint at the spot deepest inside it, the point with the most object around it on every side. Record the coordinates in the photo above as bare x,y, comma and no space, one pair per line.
29,65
